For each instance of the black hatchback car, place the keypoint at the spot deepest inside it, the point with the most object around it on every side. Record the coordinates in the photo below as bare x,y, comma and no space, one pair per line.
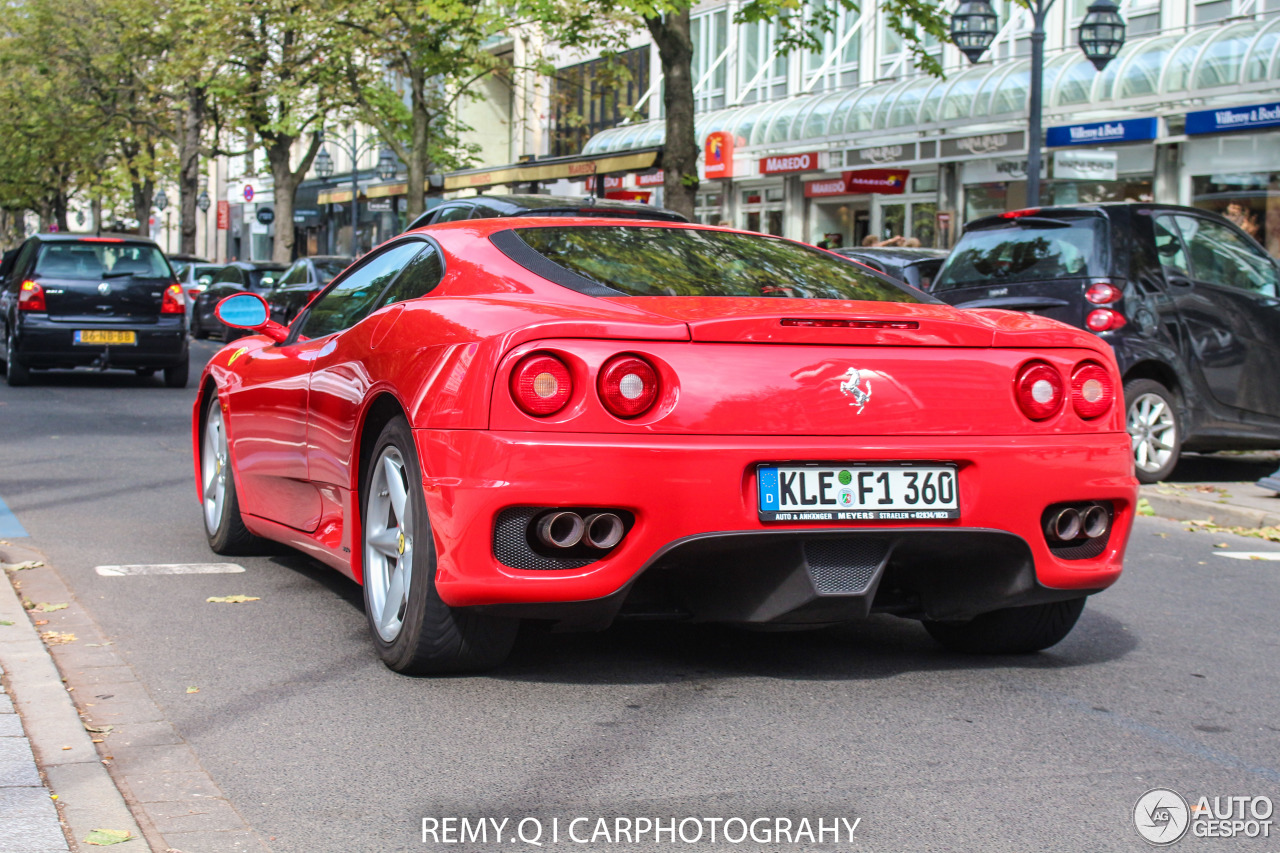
70,300
256,277
490,206
1189,302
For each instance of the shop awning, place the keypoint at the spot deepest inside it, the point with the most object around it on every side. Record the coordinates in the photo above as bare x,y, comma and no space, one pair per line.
1240,61
552,169
338,196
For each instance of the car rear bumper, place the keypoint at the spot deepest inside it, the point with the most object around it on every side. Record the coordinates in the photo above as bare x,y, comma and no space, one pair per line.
46,343
697,547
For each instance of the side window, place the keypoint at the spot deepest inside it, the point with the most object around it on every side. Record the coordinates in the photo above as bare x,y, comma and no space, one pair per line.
453,214
296,274
1169,249
23,261
418,279
1221,256
353,297
230,274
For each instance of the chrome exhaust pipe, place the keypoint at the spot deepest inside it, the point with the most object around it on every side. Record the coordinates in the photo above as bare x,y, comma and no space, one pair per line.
1095,522
603,530
560,529
1065,526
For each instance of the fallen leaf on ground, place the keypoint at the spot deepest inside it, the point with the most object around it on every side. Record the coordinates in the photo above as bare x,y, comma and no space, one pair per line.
103,837
46,607
98,730
98,645
1144,507
42,622
1161,535
18,567
57,638
231,599
193,689
6,623
1221,544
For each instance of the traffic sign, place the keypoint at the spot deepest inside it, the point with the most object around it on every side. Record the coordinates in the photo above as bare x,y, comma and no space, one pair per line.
248,192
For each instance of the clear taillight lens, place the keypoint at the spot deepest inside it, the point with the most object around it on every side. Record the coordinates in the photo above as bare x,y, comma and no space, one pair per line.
541,384
628,386
1039,390
1104,320
31,297
174,302
1092,390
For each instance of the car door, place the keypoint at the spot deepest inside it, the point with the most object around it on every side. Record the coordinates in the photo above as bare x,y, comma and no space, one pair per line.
1230,305
340,378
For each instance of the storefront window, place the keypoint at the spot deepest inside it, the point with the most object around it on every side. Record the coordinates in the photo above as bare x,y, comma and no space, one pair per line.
1249,199
924,223
894,221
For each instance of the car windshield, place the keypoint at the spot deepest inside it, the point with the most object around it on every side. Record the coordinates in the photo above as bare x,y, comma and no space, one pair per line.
101,260
326,270
639,261
1028,249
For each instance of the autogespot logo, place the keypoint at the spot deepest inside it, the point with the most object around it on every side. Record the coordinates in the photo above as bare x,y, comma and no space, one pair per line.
1161,816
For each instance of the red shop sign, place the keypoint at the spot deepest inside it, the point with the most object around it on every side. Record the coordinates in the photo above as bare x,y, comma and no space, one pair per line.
719,155
789,163
610,183
882,181
815,189
224,215
629,195
649,179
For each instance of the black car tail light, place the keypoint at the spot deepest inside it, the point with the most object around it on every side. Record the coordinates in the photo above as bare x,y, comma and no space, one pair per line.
1104,320
31,297
1103,293
174,302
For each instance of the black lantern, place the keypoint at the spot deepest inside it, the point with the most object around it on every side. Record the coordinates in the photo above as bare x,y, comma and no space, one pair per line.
202,201
161,201
1102,32
324,164
973,28
387,164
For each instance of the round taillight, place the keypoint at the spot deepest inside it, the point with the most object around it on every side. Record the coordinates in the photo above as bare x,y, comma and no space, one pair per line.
628,386
1092,391
1102,293
541,384
1104,319
1039,390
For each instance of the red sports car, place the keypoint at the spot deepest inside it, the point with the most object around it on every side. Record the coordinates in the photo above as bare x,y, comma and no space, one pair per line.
576,420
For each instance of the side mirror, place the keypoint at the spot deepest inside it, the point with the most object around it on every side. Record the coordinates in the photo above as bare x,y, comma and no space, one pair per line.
249,311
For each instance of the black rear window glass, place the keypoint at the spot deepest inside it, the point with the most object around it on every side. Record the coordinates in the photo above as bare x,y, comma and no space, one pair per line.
101,260
1027,250
639,261
327,270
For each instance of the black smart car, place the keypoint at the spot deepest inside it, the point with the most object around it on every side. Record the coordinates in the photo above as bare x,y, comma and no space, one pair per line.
71,300
916,267
1189,302
490,206
304,279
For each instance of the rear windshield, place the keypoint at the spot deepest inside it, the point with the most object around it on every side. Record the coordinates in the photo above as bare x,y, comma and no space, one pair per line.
1027,251
639,261
101,260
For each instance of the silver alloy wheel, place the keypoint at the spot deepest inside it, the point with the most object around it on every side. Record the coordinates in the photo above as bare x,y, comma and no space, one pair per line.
388,548
1152,429
214,470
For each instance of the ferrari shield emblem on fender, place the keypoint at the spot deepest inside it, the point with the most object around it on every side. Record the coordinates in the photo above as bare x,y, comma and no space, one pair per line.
849,387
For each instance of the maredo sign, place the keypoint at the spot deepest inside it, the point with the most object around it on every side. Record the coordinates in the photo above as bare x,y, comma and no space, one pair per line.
718,162
789,163
881,181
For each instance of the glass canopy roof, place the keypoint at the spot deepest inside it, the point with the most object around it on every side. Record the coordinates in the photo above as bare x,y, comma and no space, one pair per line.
1149,69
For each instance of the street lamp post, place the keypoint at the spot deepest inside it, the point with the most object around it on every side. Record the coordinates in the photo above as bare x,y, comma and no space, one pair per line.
203,202
161,201
387,168
1101,35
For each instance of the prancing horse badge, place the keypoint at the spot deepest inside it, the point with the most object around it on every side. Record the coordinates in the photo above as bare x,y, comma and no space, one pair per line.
849,387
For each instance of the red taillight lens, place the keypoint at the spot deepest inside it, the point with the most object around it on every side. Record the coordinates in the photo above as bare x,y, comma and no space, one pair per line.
1039,390
1092,391
1018,214
628,386
174,302
31,297
1101,293
541,384
1103,320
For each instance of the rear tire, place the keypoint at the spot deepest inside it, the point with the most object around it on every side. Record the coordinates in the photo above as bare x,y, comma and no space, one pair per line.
16,373
223,524
176,376
1151,416
1011,631
197,331
414,631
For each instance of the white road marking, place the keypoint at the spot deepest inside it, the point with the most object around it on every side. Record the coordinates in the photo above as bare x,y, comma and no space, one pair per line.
170,569
1249,555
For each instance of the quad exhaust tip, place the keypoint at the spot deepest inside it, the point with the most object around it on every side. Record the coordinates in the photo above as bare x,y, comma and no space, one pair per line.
603,530
1090,521
560,529
564,529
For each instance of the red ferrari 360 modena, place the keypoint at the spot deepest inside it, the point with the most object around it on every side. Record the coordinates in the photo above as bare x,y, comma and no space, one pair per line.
575,420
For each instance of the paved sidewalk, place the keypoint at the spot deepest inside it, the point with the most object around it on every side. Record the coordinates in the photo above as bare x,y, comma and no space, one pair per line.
1225,504
31,823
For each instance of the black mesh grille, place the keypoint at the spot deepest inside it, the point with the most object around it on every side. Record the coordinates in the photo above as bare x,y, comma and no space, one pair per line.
1079,548
844,566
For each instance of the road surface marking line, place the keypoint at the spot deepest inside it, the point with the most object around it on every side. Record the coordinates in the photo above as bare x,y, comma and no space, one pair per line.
1249,555
170,569
10,527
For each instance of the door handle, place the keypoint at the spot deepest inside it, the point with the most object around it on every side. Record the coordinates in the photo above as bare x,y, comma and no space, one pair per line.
1179,280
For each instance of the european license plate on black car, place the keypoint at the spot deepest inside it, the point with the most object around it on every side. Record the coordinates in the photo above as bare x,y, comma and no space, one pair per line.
853,491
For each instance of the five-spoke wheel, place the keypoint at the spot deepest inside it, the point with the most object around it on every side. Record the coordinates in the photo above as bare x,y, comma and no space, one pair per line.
1153,428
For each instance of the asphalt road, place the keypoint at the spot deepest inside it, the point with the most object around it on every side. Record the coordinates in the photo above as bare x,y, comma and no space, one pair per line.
1168,680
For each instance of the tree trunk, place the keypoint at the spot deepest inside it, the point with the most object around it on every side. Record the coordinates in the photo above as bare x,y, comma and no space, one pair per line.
286,182
143,189
680,151
189,168
415,198
60,210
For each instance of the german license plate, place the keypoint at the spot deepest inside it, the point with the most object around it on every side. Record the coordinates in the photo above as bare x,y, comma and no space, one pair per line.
110,337
852,491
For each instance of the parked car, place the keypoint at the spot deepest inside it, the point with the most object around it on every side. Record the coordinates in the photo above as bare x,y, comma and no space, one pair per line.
917,267
1189,302
304,279
194,277
253,276
490,206
109,302
487,421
